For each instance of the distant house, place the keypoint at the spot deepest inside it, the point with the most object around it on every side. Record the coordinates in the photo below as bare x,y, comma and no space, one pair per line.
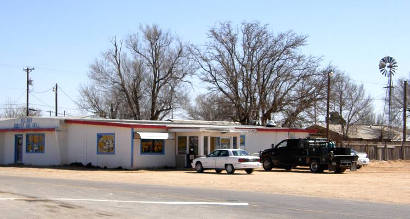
359,132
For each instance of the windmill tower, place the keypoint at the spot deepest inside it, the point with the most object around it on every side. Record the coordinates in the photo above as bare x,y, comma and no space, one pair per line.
387,67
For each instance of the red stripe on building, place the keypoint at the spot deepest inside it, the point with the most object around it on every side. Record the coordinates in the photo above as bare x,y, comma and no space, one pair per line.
29,130
282,130
122,125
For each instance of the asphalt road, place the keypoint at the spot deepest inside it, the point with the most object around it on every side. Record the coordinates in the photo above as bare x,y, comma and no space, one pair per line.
22,197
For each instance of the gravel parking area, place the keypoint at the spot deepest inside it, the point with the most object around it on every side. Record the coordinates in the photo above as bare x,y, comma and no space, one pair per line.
386,182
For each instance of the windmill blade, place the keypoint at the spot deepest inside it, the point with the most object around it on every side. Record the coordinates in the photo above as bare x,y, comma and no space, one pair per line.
382,64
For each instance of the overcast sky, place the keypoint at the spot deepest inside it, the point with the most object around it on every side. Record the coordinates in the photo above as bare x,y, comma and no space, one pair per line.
60,39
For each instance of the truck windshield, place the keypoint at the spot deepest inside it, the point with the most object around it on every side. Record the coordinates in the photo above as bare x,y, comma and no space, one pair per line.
240,153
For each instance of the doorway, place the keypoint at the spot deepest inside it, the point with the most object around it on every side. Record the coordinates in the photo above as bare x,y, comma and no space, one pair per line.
18,148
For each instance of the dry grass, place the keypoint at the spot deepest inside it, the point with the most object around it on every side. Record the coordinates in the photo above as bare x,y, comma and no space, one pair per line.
387,182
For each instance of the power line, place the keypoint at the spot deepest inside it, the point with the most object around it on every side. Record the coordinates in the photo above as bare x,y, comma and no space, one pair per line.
62,90
41,92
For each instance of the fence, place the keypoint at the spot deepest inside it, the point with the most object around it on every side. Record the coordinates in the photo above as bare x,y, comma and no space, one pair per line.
378,150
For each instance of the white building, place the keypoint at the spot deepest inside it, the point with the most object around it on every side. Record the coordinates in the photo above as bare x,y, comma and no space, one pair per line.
128,144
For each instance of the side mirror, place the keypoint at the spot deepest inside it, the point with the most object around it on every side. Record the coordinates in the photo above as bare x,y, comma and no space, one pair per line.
273,145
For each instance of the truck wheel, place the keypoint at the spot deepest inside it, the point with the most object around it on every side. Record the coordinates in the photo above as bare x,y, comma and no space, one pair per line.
267,165
315,167
340,170
198,167
218,170
229,169
359,166
249,171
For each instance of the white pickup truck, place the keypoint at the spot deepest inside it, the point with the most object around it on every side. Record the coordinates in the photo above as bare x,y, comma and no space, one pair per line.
228,159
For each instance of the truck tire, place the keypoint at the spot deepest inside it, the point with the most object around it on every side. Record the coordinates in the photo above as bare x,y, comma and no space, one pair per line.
229,169
340,170
315,167
198,167
267,165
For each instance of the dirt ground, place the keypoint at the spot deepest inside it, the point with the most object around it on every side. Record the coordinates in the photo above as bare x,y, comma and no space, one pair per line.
387,182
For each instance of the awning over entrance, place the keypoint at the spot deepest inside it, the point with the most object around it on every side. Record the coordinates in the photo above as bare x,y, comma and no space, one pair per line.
153,135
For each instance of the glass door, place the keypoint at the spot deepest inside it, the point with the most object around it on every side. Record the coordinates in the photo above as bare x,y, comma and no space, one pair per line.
18,148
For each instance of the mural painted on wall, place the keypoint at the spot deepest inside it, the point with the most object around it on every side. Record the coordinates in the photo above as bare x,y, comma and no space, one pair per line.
105,143
35,143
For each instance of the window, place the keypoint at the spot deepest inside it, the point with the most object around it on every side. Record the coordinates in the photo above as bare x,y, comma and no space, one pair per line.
206,145
225,143
215,143
235,143
105,143
152,146
224,153
35,143
215,153
242,140
282,144
193,143
182,144
240,153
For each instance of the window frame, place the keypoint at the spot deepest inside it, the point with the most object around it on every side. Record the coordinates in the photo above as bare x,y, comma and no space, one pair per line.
153,141
43,143
102,153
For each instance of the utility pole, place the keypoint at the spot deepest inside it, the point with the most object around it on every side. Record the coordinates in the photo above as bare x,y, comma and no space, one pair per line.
327,104
55,90
404,120
28,70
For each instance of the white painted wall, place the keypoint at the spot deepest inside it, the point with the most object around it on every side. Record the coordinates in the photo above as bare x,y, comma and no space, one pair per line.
8,148
50,156
82,146
154,160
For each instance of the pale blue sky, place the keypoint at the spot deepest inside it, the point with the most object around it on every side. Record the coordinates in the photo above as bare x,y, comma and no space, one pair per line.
62,38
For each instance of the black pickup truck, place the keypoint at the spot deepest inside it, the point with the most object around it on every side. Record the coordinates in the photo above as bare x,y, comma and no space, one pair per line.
318,154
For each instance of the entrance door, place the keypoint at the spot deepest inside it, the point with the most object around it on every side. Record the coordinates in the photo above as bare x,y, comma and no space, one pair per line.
18,148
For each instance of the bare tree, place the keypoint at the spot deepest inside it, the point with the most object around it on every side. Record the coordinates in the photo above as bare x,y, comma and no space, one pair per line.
13,110
140,79
257,71
168,63
211,107
307,103
350,102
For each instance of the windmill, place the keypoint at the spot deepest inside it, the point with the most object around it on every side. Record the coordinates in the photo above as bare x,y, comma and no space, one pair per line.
387,67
